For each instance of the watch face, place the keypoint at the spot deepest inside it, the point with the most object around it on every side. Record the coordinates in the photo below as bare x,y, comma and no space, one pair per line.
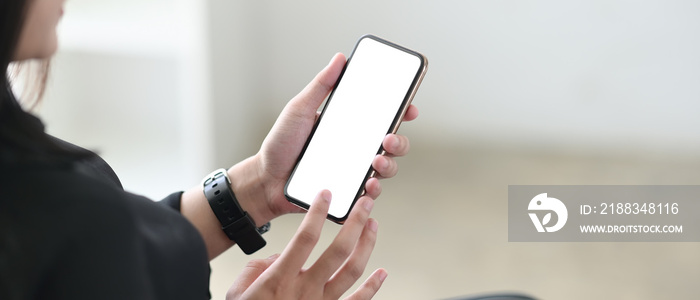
215,175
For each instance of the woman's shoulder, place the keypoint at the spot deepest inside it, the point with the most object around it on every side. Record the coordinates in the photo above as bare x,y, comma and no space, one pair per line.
73,200
51,213
56,204
64,221
58,188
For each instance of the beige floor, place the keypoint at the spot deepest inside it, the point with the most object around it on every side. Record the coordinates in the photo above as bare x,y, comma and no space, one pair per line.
443,230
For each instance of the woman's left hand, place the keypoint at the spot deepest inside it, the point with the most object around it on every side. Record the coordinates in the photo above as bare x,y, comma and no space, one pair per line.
284,142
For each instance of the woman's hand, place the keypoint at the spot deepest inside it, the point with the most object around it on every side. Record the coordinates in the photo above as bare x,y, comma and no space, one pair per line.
284,142
338,268
258,182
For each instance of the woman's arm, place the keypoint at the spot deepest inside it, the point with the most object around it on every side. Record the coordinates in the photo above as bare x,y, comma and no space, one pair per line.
246,184
258,182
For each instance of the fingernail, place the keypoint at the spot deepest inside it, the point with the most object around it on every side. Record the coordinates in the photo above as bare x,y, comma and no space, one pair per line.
395,142
373,225
382,276
384,164
326,196
274,256
332,58
368,205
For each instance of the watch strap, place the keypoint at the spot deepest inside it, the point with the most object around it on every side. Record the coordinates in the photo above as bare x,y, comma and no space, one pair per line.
235,222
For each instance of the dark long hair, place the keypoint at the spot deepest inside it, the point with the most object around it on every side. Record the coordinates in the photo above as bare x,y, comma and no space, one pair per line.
22,136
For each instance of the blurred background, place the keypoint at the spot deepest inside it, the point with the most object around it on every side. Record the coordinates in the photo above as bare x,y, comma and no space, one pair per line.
517,92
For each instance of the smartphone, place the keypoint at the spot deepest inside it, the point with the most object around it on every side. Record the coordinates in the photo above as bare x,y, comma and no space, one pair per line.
368,102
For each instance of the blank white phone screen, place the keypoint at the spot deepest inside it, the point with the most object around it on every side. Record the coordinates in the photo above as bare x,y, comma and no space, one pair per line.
355,121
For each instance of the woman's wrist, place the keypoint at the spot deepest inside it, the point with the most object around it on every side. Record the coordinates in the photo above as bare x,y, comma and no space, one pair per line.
248,184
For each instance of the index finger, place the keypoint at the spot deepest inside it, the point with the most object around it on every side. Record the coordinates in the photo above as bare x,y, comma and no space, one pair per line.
297,252
311,97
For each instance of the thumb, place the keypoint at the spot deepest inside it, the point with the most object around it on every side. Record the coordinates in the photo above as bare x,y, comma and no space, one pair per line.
309,99
250,273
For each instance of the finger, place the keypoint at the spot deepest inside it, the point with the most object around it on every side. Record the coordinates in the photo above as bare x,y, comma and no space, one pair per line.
250,273
297,252
386,167
396,145
373,188
354,267
370,287
411,113
318,89
344,242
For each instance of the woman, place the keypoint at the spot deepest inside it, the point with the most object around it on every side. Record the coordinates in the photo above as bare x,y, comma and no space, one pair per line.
69,231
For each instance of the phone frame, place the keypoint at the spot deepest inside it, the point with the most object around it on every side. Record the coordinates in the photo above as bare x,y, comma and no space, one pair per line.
398,118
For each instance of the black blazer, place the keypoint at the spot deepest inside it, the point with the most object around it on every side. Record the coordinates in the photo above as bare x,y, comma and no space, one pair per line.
69,231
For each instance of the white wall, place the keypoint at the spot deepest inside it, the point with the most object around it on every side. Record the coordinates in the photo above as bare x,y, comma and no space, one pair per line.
131,82
597,75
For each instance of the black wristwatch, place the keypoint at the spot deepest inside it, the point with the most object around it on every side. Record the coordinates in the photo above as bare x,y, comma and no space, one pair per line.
235,222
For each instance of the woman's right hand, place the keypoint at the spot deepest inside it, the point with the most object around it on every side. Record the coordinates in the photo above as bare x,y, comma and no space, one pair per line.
338,268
